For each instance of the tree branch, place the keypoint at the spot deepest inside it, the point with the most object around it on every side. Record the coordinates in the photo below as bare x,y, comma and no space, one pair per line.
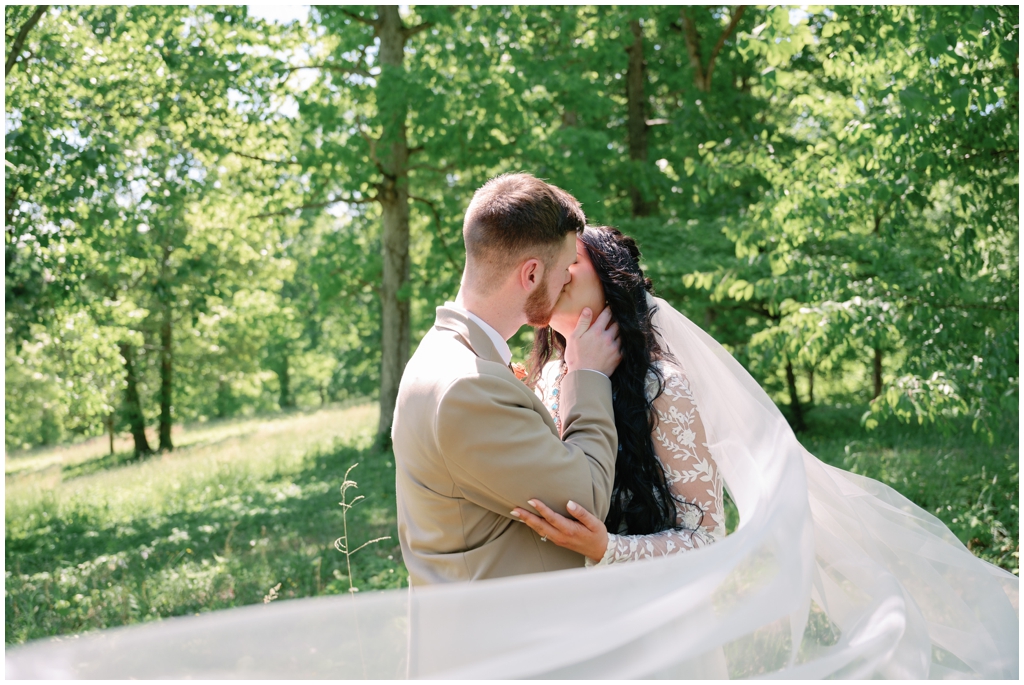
314,205
413,30
135,283
360,19
19,40
692,39
737,14
372,143
336,68
437,225
262,159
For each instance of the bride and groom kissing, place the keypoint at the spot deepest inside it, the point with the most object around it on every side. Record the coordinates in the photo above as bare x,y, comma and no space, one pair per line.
615,447
597,456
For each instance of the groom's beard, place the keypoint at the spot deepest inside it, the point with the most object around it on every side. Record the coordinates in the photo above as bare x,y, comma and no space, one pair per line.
538,309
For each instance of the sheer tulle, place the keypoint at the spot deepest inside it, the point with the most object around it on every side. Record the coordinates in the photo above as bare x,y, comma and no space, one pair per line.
828,575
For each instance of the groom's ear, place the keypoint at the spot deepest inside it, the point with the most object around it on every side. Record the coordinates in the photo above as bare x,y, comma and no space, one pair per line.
531,272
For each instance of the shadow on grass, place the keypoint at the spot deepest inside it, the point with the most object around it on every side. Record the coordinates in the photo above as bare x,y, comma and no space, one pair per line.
107,461
219,546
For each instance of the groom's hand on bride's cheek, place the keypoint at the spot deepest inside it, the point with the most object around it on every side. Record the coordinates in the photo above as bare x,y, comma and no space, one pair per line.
593,344
586,535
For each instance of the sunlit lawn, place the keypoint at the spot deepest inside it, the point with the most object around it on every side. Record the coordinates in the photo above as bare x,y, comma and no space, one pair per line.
241,506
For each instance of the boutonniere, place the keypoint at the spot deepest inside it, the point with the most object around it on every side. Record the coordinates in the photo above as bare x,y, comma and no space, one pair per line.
519,370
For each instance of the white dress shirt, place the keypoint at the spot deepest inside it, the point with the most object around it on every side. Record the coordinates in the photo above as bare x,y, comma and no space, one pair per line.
499,342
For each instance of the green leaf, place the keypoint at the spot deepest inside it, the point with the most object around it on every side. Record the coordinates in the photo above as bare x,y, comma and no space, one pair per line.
914,100
961,99
937,44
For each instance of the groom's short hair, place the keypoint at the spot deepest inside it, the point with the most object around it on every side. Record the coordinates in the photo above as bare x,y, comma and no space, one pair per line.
513,215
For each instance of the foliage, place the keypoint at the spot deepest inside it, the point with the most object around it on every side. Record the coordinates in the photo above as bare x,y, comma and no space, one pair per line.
889,220
831,192
65,377
116,211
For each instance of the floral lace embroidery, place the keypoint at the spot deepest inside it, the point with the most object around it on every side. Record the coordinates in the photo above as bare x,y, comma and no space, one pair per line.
684,454
680,443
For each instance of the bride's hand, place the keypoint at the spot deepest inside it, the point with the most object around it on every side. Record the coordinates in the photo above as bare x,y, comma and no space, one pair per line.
586,535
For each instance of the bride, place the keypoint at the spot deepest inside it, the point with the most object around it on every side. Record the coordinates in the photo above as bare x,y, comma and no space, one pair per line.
667,494
828,574
682,406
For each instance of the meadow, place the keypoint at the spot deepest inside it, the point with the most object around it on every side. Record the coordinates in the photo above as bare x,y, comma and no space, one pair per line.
94,541
241,506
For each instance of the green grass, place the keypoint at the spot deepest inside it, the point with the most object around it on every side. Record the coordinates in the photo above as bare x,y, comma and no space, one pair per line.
948,470
94,541
244,506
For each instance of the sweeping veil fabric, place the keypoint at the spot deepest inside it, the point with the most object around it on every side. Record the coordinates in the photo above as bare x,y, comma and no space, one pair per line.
829,574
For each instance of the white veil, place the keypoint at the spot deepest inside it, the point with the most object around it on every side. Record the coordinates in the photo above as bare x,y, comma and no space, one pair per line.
828,575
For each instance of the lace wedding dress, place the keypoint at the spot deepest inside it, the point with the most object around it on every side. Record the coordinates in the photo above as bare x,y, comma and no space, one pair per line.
690,469
828,574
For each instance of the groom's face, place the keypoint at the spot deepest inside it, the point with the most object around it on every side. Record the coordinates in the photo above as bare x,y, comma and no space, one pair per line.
541,302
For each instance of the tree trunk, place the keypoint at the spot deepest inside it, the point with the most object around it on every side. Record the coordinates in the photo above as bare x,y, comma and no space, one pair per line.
132,403
284,379
166,379
49,430
19,40
692,38
393,195
710,317
702,71
877,373
810,386
794,399
636,78
110,431
223,397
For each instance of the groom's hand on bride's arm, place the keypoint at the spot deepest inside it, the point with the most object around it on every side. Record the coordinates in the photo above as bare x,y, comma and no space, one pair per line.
593,346
586,535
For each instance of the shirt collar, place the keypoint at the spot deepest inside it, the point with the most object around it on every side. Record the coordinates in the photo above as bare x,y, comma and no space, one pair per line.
499,342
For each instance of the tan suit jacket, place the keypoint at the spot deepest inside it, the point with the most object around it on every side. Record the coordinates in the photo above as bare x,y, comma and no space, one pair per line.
472,442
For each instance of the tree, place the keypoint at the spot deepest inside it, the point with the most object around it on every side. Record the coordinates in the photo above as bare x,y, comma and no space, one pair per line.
870,232
120,117
399,115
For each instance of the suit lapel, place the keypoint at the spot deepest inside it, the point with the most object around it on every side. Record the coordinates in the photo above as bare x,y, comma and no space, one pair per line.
476,339
470,332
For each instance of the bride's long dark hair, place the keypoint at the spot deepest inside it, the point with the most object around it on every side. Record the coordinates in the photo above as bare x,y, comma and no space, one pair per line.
641,501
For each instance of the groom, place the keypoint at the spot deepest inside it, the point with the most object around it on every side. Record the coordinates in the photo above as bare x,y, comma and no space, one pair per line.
472,441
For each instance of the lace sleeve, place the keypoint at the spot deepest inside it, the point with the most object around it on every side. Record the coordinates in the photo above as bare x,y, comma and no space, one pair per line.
692,475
